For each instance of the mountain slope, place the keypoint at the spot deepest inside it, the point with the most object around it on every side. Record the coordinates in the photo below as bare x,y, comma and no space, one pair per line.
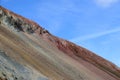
29,52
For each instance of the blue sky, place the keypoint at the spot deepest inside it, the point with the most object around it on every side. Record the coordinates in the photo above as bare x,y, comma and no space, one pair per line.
93,24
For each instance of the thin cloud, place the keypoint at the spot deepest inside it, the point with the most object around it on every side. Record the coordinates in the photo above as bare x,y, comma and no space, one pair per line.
96,35
105,3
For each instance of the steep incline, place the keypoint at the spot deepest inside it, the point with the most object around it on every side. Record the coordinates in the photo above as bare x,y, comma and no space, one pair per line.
29,52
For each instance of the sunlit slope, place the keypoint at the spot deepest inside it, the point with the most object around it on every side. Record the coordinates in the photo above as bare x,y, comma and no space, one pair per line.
48,61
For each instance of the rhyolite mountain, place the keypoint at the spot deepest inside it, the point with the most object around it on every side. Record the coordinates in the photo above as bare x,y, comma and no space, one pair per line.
29,52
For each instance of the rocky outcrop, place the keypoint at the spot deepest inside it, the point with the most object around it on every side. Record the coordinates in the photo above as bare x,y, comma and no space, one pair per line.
18,23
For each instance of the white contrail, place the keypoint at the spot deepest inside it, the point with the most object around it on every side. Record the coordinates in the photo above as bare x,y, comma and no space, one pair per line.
95,35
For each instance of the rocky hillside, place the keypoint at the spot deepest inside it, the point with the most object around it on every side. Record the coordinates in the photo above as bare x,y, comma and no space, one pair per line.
29,52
